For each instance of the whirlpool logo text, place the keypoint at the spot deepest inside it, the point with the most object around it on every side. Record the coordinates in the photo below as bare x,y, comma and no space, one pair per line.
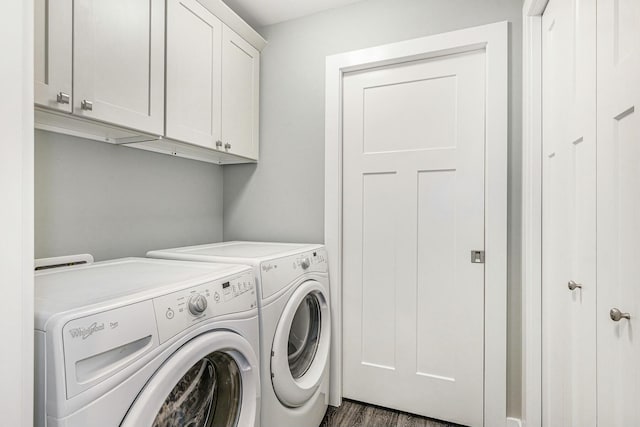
86,332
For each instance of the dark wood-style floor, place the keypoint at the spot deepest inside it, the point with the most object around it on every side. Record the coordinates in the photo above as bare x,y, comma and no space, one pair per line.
356,414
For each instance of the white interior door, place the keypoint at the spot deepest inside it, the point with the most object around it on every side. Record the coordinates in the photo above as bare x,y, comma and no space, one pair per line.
618,212
414,143
569,214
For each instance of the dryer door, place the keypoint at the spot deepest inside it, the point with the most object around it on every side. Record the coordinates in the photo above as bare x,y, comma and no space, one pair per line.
210,381
301,345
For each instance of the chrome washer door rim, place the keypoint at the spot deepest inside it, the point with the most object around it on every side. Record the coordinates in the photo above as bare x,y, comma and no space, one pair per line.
147,405
295,392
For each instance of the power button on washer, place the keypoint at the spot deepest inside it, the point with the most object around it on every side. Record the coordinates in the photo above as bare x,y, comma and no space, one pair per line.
170,314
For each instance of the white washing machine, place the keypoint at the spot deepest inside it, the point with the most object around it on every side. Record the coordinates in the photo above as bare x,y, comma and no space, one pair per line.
138,342
293,297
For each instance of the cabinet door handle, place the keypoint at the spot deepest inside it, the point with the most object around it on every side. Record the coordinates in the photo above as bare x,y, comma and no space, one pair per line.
63,98
86,105
616,315
573,285
227,146
218,144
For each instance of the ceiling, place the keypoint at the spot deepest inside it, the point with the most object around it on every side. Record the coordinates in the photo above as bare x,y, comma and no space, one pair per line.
266,12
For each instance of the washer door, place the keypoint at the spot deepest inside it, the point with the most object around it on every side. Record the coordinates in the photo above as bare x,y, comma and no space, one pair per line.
211,381
301,345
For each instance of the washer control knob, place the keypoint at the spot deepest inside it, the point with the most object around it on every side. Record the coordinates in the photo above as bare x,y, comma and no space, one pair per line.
197,304
305,263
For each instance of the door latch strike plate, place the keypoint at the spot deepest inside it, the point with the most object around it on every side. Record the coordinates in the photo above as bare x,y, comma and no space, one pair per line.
477,257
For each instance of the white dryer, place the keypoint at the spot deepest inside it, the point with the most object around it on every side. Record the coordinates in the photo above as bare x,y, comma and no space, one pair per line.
293,298
138,342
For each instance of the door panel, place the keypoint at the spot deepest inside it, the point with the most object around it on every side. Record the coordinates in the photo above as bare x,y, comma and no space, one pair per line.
413,211
194,67
378,270
618,211
119,62
53,53
240,91
569,218
437,266
426,125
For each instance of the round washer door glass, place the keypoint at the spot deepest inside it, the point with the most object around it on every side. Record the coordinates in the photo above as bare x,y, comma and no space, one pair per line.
304,336
208,395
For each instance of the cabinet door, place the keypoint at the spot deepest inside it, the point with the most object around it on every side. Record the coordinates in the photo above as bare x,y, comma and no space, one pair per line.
194,43
119,62
52,53
240,91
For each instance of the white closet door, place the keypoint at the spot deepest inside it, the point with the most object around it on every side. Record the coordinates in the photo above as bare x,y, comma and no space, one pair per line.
118,62
618,212
413,212
194,67
569,214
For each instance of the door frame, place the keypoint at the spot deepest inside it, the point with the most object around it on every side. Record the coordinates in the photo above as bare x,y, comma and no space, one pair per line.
16,215
493,38
532,212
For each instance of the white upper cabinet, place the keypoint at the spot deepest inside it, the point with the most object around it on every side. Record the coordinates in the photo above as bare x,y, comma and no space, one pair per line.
53,53
212,86
104,62
118,62
194,42
240,95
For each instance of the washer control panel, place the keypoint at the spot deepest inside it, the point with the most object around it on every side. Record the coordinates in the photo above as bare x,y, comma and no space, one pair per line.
180,310
276,273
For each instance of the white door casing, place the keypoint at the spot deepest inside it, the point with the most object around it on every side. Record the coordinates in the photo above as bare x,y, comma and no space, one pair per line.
492,38
119,62
532,213
16,214
569,214
194,71
618,212
53,53
413,211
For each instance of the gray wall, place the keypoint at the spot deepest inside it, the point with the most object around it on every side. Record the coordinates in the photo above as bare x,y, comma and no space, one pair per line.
282,198
112,201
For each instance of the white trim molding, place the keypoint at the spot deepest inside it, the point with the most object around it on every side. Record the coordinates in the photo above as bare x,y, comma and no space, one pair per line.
493,39
532,213
16,214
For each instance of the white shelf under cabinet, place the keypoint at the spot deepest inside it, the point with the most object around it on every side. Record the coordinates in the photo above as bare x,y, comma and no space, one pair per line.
67,124
189,151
